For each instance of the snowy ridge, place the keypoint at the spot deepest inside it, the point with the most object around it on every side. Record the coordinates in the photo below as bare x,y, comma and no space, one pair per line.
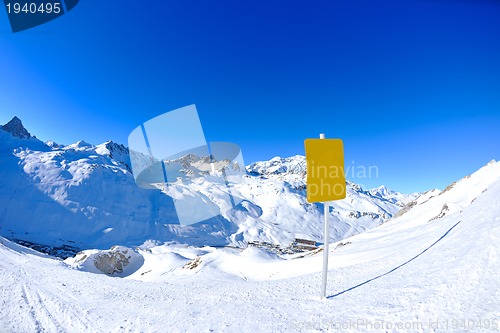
455,198
393,196
277,165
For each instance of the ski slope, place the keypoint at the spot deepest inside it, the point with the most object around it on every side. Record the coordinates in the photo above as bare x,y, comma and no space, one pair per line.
431,269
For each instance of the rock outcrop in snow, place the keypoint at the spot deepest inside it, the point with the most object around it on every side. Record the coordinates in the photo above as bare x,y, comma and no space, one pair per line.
118,261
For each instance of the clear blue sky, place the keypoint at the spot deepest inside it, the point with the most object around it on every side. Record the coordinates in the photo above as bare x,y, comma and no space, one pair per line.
412,87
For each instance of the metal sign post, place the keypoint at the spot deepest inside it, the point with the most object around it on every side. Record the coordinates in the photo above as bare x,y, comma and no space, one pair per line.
326,244
326,249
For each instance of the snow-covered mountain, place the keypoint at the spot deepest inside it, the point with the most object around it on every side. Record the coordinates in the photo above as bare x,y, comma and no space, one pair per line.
280,166
85,196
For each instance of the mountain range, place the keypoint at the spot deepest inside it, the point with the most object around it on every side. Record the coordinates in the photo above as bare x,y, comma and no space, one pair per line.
84,196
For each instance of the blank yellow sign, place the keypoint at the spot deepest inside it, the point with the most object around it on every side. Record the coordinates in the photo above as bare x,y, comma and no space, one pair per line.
325,170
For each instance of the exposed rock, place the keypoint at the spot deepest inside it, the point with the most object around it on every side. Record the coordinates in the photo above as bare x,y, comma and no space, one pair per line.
342,244
405,209
16,128
442,213
115,260
192,264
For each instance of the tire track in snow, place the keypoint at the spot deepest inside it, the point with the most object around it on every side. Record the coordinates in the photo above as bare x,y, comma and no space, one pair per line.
49,309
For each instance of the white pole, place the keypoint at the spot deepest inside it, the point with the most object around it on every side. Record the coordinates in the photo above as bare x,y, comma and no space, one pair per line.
326,243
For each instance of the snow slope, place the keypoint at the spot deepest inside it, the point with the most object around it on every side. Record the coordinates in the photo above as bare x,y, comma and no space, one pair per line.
85,196
429,270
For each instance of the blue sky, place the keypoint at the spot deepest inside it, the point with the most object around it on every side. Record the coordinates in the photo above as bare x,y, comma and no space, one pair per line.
412,87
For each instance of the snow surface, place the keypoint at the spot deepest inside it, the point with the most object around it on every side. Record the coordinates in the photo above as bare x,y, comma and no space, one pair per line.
428,270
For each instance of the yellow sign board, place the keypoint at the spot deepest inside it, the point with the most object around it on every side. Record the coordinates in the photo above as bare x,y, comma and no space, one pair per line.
325,170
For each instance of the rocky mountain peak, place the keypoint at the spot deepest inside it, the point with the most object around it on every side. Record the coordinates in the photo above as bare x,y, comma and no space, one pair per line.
16,128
